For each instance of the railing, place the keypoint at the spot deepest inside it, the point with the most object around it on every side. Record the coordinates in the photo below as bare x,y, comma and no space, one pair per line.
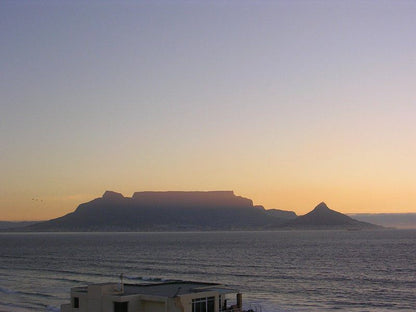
234,308
252,308
231,309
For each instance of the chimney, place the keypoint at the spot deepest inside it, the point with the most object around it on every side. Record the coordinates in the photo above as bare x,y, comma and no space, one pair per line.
240,301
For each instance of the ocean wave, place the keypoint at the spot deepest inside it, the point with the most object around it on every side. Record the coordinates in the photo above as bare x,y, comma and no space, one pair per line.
35,294
71,280
8,291
148,279
301,277
56,271
7,307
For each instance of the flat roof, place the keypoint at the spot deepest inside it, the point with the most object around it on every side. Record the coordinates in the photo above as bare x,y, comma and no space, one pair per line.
172,289
165,289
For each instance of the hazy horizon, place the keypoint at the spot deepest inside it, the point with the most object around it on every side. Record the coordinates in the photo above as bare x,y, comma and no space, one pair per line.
399,223
288,103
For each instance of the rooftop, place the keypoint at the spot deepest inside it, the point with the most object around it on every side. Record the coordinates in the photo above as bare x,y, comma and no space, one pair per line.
168,289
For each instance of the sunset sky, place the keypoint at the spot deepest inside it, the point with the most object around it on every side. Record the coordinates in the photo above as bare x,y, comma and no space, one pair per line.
288,103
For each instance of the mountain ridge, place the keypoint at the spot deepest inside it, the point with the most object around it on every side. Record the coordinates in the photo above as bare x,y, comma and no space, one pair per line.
322,217
189,211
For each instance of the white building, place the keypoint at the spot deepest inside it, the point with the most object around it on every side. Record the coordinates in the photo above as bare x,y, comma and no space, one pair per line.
176,296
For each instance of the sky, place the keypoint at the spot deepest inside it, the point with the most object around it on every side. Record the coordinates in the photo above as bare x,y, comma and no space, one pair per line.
288,103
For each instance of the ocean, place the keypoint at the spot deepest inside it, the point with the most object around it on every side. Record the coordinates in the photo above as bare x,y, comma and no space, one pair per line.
275,271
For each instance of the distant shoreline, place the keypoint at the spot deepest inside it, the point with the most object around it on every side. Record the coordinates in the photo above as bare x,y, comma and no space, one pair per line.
206,231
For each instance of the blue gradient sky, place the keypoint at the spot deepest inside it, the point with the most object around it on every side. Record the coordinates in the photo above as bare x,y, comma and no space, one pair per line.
288,103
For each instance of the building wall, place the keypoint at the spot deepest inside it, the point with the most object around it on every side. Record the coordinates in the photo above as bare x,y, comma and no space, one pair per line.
83,302
186,300
100,299
152,306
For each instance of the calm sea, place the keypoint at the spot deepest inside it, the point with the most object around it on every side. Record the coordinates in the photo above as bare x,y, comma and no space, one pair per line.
279,271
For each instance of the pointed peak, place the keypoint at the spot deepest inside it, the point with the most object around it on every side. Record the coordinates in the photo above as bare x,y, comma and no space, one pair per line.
112,195
321,207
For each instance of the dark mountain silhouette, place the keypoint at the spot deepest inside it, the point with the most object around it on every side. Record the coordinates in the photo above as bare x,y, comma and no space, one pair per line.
164,211
283,214
324,218
186,211
15,224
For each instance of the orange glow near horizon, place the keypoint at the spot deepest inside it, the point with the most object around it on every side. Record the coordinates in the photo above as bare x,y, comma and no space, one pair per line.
354,201
286,103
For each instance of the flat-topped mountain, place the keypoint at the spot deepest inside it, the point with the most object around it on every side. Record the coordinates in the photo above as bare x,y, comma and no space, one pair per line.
186,211
324,218
164,211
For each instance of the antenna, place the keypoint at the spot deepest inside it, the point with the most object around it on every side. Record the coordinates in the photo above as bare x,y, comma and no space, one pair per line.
121,283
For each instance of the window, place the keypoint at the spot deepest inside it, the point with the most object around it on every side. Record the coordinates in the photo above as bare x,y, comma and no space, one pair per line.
75,303
203,304
121,306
